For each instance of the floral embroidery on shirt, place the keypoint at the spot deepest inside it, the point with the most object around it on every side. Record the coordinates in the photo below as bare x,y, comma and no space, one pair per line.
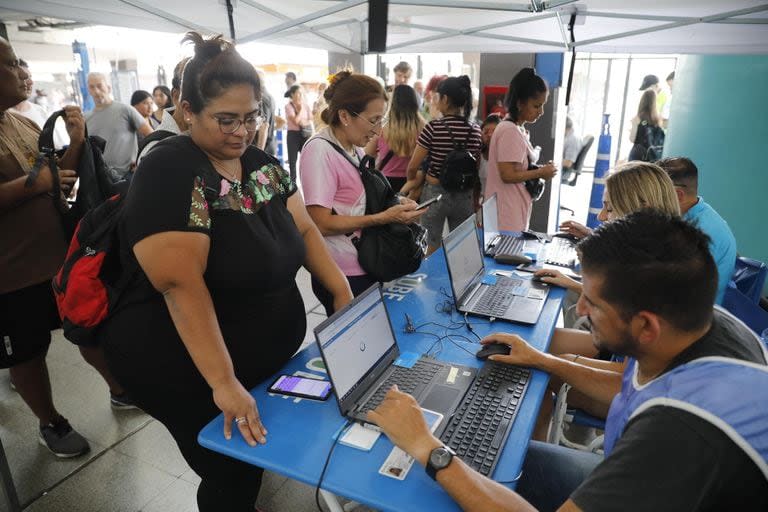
258,189
198,207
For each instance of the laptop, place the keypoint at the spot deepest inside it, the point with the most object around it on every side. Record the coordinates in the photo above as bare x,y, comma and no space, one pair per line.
502,297
551,250
359,351
495,242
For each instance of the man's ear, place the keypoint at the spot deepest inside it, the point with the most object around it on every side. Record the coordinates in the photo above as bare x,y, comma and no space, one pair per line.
680,194
646,327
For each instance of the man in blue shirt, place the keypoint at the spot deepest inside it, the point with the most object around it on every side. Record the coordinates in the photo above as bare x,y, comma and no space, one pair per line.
722,245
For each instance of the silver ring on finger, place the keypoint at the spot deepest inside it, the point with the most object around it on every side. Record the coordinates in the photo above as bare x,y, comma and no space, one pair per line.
241,420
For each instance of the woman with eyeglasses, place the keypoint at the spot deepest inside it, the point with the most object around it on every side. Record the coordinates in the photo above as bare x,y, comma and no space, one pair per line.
330,179
214,232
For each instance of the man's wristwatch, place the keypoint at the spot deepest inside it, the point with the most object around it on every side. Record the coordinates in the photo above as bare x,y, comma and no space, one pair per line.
439,458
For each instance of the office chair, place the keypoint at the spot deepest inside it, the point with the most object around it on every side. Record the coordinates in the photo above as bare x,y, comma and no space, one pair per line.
562,414
749,276
745,309
571,174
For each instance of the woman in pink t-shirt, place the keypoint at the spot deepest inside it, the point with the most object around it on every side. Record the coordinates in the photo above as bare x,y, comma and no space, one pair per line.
511,151
398,138
330,180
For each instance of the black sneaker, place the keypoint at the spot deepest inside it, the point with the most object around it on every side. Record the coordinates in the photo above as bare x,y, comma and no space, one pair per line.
63,440
121,402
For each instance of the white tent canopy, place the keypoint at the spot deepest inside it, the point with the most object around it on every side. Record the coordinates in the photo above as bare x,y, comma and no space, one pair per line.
651,26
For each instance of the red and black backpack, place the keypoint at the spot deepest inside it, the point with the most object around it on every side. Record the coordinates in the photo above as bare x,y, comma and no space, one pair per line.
89,284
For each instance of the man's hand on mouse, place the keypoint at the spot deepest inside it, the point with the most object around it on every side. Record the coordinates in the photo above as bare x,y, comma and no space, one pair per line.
555,277
520,353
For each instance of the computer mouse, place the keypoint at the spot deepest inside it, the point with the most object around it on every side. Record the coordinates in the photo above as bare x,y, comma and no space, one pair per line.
538,279
513,259
567,236
531,235
492,349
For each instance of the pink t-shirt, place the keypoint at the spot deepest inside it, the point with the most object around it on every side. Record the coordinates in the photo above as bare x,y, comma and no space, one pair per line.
508,144
396,166
329,180
305,116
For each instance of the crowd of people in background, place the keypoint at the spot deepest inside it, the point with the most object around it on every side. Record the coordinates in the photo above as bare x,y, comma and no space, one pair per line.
181,345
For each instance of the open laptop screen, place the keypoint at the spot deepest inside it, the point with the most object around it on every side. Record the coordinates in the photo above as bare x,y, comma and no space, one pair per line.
355,340
462,253
490,220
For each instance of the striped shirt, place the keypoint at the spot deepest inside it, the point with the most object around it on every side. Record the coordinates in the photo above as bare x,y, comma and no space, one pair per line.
436,139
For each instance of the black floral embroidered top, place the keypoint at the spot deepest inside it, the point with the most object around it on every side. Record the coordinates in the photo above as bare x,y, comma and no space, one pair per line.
255,247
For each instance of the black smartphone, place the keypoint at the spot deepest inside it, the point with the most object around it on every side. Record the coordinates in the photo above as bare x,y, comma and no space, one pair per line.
303,387
429,202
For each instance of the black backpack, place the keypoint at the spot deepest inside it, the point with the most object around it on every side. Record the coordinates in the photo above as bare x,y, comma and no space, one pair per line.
459,170
98,181
649,143
390,251
91,281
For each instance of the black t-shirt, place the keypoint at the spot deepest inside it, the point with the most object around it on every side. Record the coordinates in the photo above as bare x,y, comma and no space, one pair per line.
255,252
670,459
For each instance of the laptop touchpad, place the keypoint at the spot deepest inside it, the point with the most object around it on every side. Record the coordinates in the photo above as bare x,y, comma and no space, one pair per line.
440,399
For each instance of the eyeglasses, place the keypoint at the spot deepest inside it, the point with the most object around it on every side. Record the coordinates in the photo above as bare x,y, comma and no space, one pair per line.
229,125
378,124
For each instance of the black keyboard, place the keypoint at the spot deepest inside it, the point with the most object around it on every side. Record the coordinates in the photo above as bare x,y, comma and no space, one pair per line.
560,252
508,245
408,380
481,424
496,299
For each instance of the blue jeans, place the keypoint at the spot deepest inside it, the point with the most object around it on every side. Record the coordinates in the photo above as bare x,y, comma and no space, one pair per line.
551,473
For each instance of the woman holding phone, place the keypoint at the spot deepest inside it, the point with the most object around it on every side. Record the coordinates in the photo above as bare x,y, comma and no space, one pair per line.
511,153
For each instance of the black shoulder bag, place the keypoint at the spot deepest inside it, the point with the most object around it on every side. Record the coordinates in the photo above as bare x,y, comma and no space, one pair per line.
393,250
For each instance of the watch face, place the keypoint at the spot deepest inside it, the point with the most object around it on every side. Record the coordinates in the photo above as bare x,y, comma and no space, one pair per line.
440,457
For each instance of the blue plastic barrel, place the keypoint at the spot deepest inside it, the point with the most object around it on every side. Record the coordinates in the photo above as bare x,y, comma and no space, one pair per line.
602,165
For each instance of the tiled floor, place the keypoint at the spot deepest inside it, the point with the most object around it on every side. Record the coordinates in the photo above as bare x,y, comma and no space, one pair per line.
133,465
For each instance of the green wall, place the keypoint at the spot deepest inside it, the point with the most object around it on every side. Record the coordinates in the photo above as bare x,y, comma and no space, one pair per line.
719,119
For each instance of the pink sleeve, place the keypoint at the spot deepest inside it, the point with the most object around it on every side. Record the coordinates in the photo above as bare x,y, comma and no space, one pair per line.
318,178
511,146
289,110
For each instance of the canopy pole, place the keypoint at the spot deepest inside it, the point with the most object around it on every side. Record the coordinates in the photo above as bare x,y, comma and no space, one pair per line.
230,11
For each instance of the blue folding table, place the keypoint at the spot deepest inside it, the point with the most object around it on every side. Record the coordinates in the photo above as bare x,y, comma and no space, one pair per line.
301,432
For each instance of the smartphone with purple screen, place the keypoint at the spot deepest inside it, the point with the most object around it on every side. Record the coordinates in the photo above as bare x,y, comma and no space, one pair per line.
302,387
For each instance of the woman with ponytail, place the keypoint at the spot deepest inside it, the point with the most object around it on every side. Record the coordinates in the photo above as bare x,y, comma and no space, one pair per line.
330,179
511,152
214,233
435,142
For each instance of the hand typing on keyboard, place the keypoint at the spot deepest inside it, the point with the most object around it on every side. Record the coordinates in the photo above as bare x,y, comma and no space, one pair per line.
520,352
401,419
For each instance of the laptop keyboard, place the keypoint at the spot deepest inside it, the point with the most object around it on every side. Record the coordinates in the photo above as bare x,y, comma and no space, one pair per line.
560,252
481,424
496,299
408,380
509,245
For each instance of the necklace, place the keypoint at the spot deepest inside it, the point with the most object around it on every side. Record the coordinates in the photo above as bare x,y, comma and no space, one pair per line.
232,174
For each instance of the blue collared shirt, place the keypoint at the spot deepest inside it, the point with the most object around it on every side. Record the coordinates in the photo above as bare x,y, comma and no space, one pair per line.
722,242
